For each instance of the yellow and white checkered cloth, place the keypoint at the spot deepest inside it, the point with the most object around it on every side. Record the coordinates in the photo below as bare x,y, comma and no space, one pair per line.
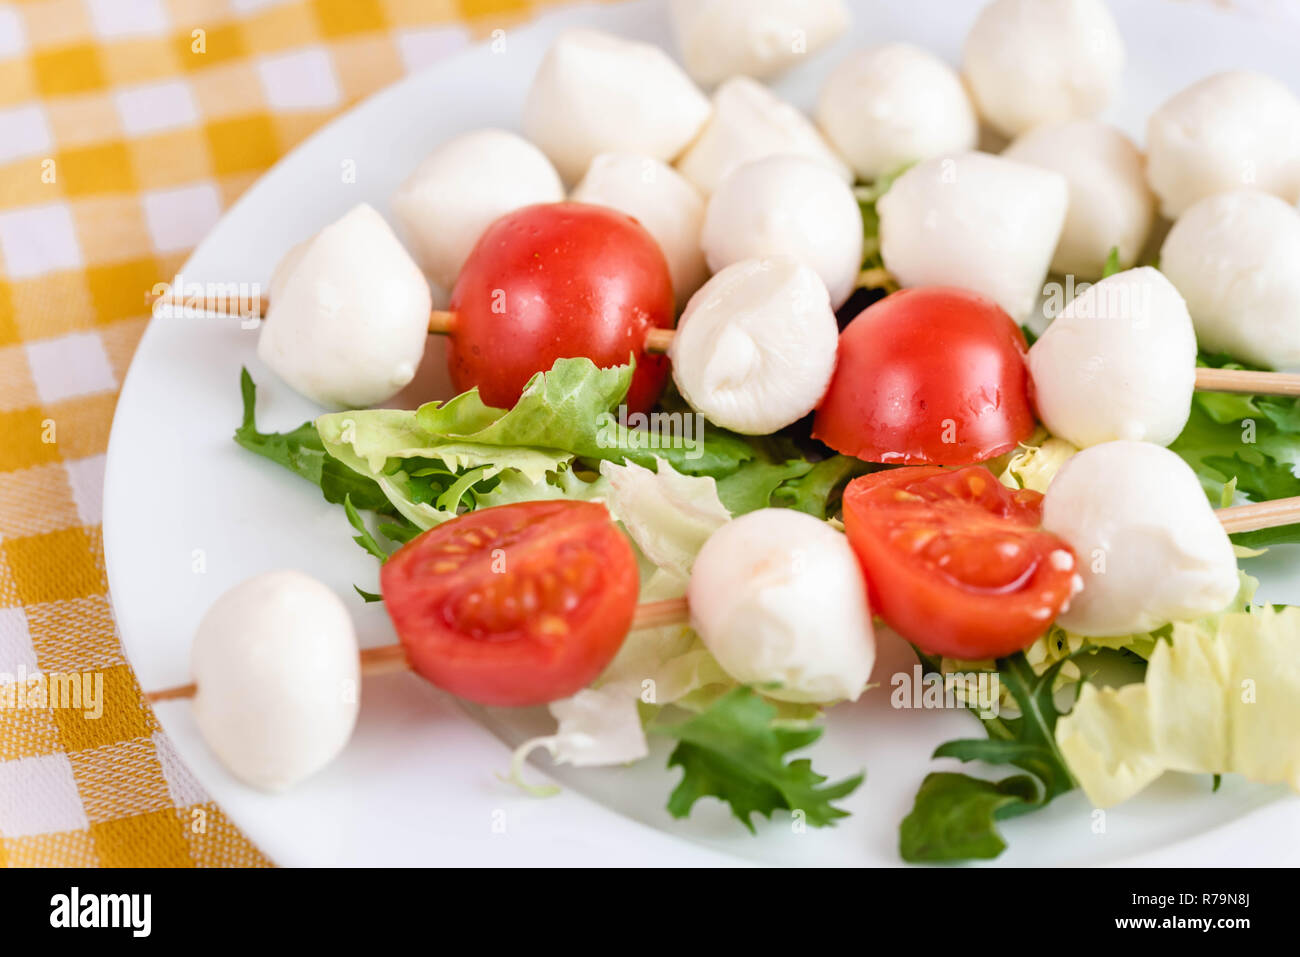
126,127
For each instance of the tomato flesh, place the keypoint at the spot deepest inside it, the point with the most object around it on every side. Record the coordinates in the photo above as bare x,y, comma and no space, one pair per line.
514,605
928,376
956,562
556,281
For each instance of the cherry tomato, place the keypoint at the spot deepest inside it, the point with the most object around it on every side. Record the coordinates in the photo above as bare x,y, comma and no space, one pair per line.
930,376
555,281
956,562
515,605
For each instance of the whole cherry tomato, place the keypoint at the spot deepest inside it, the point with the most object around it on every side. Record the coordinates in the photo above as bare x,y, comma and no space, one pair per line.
556,281
928,376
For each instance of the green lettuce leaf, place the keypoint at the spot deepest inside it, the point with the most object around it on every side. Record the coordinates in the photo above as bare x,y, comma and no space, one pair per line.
736,751
302,452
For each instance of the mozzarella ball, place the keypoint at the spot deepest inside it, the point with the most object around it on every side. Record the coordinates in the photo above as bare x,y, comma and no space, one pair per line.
979,222
892,105
1119,362
778,598
758,38
1111,206
1230,131
1235,257
787,206
597,93
1030,62
461,188
275,661
349,314
1149,547
748,123
663,201
755,348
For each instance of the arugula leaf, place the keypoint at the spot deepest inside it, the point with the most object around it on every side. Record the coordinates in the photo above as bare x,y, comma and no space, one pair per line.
817,490
365,539
367,596
1251,440
735,752
302,452
954,815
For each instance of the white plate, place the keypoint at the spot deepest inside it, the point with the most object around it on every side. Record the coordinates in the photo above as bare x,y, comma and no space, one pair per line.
187,514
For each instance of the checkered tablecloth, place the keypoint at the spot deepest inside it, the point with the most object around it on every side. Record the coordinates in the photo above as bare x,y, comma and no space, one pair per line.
126,127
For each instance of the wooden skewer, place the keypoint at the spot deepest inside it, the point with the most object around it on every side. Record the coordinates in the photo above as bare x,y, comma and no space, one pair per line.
442,323
389,658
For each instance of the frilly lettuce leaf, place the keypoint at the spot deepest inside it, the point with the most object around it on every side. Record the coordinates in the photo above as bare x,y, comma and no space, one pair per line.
1218,698
1034,466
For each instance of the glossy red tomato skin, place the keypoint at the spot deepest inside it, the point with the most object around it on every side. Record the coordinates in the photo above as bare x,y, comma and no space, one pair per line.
555,281
516,605
928,376
956,562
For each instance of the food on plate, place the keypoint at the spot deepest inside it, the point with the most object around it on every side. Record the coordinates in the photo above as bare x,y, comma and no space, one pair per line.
1233,257
461,188
755,348
981,222
1111,206
777,597
759,38
1031,62
553,281
750,122
1119,362
1230,131
661,200
787,206
278,687
597,93
888,106
932,376
349,314
955,561
519,523
1150,548
517,605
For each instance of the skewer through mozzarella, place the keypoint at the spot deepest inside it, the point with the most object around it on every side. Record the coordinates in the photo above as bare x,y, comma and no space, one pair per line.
1111,206
461,188
661,200
1030,62
1234,257
748,123
1119,362
778,598
787,205
1230,131
758,38
349,314
1150,549
755,349
275,664
597,93
976,221
892,105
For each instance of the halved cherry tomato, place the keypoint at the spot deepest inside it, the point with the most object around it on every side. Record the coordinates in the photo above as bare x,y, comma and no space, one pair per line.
929,376
556,281
956,562
515,605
